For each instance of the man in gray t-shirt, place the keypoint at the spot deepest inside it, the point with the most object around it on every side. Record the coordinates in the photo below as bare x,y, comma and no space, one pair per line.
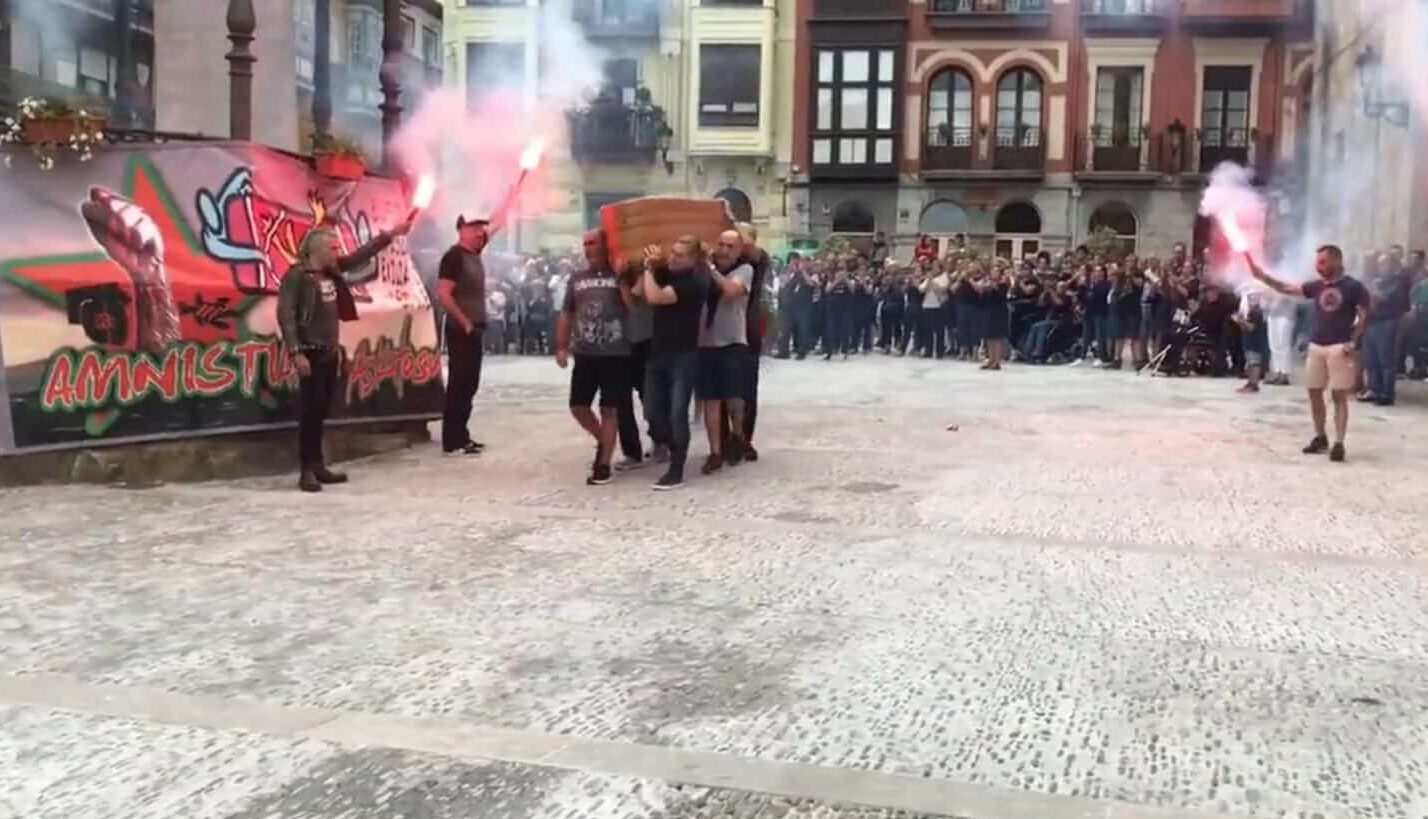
723,351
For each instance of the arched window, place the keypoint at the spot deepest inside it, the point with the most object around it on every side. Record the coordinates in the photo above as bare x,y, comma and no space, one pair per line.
949,120
1018,137
943,218
1018,217
852,216
739,204
1117,217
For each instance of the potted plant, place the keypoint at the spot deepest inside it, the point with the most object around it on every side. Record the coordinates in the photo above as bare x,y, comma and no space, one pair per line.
337,157
46,123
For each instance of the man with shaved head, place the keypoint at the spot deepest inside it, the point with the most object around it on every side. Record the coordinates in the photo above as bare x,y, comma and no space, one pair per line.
724,351
594,325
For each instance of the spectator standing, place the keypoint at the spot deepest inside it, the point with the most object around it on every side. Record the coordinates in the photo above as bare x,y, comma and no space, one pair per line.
838,327
1389,290
1254,336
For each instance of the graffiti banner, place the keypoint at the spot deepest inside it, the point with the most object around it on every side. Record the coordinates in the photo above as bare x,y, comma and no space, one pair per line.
138,296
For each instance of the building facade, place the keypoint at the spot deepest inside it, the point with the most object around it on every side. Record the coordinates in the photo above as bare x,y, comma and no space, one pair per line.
1027,124
98,55
1368,172
355,57
691,99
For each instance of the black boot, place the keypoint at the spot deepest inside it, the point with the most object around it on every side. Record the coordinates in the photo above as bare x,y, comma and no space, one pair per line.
309,482
325,475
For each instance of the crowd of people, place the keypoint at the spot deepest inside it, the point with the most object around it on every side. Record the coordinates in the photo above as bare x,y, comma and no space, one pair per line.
689,321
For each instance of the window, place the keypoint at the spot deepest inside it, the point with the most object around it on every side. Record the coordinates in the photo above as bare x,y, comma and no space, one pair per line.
364,36
948,140
1224,116
431,47
1118,218
409,34
853,217
492,65
1018,137
1117,130
855,94
739,204
94,72
622,79
729,85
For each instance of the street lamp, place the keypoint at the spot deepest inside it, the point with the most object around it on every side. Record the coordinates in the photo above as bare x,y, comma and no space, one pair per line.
1370,67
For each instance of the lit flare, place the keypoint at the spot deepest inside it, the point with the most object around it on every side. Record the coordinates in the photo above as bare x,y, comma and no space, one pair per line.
425,191
1235,235
530,157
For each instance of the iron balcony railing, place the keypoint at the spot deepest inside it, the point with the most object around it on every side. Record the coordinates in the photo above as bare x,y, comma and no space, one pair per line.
948,148
616,133
1018,148
980,7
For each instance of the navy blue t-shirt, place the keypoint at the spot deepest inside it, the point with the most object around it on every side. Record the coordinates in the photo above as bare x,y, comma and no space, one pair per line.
1336,304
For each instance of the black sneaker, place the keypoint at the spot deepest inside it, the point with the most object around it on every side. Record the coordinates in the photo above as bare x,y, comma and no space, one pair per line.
712,464
734,451
599,476
627,463
1336,454
1318,446
750,454
469,448
673,479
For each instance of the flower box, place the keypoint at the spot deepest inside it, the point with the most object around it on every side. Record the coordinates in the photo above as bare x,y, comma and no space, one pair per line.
60,130
340,166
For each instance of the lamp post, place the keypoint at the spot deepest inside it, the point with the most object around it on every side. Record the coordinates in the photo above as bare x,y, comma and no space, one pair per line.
1369,64
126,83
242,22
391,76
322,67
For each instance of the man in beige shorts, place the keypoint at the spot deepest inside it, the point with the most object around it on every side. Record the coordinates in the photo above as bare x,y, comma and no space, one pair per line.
1341,306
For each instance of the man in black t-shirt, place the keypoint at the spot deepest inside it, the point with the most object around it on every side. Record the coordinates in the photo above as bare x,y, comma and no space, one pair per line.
1341,307
461,289
676,287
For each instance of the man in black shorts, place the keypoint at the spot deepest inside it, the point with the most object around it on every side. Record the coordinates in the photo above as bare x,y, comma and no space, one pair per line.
594,325
724,351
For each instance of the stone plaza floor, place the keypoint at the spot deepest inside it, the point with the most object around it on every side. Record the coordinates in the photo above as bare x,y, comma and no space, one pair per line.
1100,596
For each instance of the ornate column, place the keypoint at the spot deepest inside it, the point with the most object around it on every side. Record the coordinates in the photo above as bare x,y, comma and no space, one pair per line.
242,22
322,68
391,75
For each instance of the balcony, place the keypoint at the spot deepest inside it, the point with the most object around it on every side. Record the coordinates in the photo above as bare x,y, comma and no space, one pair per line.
1240,18
617,19
1143,18
859,9
607,132
1019,152
1199,152
1119,156
989,14
947,151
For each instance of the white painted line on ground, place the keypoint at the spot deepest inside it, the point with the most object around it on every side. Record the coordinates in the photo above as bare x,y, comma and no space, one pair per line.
467,741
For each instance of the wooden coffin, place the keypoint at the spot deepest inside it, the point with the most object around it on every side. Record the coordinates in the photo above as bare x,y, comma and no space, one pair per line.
633,224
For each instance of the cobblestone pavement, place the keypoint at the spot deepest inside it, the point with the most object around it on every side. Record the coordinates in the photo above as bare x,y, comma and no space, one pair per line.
1100,596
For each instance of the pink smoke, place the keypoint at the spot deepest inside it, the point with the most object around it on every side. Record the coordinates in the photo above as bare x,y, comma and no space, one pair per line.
1238,212
475,153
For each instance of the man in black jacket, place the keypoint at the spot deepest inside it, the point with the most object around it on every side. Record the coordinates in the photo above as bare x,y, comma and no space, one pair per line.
312,299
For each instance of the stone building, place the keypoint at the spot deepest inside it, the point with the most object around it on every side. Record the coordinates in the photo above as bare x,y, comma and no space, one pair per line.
1368,169
1026,124
693,98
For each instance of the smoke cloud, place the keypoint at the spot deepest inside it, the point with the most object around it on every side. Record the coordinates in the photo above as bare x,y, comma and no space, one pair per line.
472,140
